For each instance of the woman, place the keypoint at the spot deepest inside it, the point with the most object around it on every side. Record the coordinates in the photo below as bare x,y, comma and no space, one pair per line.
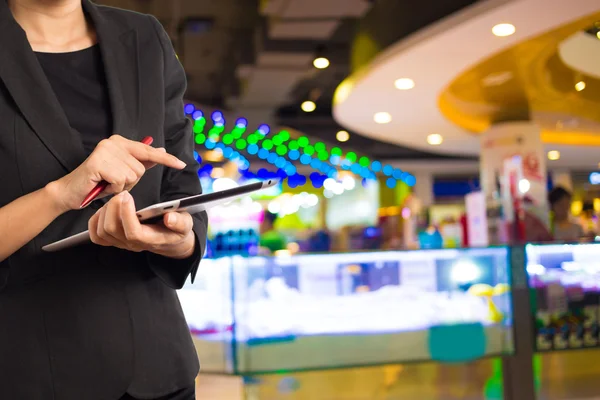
563,228
99,321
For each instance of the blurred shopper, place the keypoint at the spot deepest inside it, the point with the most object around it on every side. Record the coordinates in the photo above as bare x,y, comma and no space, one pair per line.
100,321
563,228
271,240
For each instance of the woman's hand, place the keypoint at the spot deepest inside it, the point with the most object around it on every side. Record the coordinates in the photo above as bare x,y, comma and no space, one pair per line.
116,224
119,161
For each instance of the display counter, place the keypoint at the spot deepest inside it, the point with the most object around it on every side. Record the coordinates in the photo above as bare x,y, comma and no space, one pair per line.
564,281
260,315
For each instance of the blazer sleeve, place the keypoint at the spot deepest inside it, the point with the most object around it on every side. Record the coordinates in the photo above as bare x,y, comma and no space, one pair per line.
179,141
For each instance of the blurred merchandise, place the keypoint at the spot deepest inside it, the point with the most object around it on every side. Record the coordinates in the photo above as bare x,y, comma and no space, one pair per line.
295,312
565,286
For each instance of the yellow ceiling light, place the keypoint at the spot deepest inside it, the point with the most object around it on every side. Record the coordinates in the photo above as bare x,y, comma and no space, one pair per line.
579,86
321,63
435,139
502,30
382,117
404,84
342,136
553,155
308,106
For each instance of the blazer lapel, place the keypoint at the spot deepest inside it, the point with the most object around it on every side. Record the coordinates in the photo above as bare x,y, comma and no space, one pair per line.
119,47
26,81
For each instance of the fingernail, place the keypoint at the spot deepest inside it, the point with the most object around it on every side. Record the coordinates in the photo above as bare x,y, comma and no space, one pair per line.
162,149
183,165
125,196
171,219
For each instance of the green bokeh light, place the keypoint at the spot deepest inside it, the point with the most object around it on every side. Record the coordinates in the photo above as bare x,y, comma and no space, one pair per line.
309,150
320,147
200,138
281,150
240,144
336,151
323,156
277,140
238,132
228,139
303,141
285,135
364,161
252,139
351,156
293,145
267,144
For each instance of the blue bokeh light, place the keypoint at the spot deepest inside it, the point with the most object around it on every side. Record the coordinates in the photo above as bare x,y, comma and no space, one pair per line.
189,108
263,154
217,116
241,123
280,162
376,166
264,129
305,159
210,144
388,170
252,149
272,158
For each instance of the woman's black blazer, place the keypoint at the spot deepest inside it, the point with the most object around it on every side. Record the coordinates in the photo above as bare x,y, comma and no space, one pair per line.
93,322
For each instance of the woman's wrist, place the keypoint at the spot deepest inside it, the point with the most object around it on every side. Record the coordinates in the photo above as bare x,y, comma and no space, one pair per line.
53,193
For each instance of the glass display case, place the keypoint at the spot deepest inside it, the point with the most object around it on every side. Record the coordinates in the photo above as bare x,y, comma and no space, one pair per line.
564,280
260,315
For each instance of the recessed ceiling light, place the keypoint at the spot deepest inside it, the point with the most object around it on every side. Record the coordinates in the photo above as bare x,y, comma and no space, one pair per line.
321,62
503,30
553,155
342,136
382,117
579,86
435,139
308,106
404,84
497,79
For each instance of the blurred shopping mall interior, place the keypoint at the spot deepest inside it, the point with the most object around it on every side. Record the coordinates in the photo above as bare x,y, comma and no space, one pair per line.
435,232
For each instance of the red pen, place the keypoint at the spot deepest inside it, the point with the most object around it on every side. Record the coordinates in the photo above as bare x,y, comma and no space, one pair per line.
102,185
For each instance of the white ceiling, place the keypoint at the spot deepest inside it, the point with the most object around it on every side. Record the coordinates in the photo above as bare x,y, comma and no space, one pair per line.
311,30
269,83
581,52
320,8
433,57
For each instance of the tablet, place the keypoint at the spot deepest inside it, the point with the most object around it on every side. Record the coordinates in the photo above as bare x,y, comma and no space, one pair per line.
192,205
